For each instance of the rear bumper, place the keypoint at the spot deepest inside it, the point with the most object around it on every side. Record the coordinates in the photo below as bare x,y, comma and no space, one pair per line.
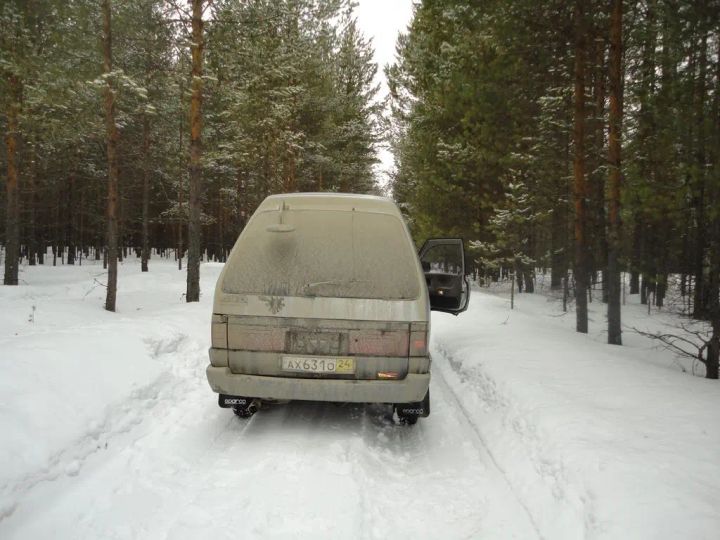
412,388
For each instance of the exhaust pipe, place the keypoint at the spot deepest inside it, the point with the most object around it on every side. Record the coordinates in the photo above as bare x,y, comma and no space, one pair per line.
254,406
248,405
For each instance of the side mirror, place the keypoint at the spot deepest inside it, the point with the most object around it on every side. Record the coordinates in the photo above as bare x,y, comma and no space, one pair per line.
443,263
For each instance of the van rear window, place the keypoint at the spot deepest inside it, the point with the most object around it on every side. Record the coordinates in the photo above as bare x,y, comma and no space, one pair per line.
327,254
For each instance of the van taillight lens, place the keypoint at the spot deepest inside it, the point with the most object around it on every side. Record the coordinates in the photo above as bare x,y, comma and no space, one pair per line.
418,339
378,343
256,338
218,332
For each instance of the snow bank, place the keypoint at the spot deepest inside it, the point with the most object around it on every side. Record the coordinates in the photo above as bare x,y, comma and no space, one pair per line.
71,373
599,441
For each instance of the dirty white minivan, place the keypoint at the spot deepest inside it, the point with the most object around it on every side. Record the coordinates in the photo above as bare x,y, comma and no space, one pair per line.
323,298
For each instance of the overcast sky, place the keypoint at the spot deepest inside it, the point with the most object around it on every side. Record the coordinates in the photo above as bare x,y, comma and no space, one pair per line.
382,20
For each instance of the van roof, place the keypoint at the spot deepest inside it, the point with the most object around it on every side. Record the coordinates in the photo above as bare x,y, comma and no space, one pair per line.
330,201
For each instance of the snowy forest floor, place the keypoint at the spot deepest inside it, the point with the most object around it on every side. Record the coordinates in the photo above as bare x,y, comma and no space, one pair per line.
109,429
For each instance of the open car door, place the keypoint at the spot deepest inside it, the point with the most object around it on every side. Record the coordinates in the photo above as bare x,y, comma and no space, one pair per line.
443,263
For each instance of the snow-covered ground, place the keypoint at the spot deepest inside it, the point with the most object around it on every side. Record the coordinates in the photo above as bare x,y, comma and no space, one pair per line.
109,429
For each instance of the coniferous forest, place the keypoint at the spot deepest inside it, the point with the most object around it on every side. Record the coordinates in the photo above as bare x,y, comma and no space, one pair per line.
580,139
160,125
577,138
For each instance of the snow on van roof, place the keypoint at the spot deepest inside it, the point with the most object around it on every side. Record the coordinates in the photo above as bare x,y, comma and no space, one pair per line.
330,201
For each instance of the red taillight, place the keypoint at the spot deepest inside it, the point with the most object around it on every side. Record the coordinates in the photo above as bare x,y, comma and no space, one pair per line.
256,338
418,339
378,343
218,332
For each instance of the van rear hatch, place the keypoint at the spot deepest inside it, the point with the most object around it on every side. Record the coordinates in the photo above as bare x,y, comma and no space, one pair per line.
289,252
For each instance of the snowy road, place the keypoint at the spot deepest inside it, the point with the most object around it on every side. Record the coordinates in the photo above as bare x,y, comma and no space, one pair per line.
109,429
187,469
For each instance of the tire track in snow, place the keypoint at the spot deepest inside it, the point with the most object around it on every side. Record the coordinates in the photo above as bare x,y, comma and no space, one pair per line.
411,468
479,440
396,464
120,418
202,468
542,477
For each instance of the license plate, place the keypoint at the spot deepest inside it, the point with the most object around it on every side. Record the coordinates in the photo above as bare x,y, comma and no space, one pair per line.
306,364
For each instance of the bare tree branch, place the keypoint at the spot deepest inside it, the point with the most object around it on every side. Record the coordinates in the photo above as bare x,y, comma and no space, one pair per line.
670,341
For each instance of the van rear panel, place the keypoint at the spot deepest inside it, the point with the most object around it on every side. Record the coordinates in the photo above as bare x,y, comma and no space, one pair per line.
279,346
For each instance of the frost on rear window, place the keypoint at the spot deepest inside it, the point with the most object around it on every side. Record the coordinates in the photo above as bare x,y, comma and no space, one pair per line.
327,254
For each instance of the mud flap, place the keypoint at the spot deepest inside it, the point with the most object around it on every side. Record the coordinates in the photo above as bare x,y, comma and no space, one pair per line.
418,409
227,402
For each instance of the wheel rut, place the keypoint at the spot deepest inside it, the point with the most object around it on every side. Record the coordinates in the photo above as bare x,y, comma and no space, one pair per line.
480,443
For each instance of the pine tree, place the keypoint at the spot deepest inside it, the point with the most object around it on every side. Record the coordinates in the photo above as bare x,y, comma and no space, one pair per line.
616,76
579,185
112,159
510,225
196,186
15,53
